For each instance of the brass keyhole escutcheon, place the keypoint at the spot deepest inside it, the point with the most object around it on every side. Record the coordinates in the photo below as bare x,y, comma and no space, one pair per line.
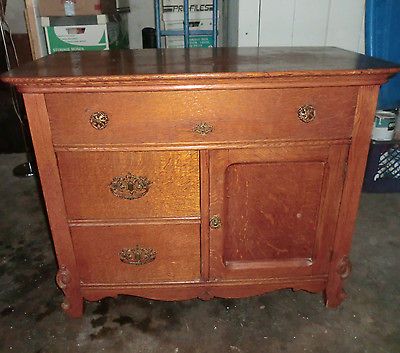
99,120
306,113
203,129
215,222
130,186
137,256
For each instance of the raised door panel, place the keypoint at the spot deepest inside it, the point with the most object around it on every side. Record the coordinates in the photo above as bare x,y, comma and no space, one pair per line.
278,209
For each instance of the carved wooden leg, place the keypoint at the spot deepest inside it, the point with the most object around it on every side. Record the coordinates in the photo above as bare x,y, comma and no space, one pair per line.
73,301
73,306
334,292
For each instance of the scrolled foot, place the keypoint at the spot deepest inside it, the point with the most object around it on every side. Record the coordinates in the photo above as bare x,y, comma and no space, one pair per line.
73,306
73,301
333,301
334,293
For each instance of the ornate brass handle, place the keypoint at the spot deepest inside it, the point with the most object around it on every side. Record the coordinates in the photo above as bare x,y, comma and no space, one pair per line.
99,120
306,113
137,256
130,187
203,129
215,222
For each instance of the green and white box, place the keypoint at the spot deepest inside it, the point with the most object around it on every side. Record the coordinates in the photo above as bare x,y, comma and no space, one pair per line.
83,35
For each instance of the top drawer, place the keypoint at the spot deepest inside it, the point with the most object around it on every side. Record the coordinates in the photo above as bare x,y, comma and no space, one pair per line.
176,117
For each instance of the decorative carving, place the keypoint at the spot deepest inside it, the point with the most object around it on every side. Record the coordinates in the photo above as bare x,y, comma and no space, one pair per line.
306,113
130,187
344,267
205,295
65,304
215,222
99,120
137,256
63,277
203,129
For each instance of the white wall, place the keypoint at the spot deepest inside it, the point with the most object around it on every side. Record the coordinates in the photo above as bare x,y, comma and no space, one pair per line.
299,22
241,19
15,16
141,15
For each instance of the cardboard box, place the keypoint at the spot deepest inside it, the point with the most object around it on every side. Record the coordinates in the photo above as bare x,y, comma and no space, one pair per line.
83,37
76,7
200,18
194,41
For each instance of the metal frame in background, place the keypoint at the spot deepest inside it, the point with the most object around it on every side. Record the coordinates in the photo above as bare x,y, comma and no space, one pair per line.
186,32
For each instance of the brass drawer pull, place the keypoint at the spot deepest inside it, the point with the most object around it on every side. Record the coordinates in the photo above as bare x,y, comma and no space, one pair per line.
306,113
137,256
203,129
215,222
99,120
130,187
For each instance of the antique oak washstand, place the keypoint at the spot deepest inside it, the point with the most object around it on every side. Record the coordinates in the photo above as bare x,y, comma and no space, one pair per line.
183,173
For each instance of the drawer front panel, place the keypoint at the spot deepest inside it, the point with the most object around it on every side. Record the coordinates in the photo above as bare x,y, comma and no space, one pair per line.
138,253
165,117
125,185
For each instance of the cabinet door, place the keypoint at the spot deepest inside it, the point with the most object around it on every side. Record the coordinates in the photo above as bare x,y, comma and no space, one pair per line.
273,211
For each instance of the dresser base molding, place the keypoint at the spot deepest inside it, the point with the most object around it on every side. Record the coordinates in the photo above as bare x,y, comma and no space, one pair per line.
73,306
205,291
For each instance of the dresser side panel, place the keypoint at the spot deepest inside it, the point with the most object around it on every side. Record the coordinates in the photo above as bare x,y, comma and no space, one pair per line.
358,154
67,276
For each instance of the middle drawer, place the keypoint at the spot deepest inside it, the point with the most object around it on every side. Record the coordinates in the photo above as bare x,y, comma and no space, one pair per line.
130,185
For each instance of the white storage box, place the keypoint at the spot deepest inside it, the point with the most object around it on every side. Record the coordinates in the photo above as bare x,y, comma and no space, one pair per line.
85,34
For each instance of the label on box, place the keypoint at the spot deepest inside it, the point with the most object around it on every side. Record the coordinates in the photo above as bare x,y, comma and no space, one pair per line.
194,42
69,7
192,8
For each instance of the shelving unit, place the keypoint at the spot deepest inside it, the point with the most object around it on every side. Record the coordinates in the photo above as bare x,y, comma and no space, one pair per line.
186,32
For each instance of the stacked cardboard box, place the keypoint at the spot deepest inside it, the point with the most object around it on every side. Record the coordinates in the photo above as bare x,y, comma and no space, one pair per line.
78,25
49,8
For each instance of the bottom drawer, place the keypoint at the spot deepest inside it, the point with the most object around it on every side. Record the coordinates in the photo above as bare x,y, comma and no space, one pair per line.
137,253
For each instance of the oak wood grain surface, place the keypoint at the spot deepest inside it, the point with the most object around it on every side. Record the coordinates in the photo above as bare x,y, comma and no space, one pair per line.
177,249
279,208
171,117
86,178
357,160
157,64
52,190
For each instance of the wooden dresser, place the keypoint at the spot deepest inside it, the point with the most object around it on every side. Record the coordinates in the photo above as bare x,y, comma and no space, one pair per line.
175,174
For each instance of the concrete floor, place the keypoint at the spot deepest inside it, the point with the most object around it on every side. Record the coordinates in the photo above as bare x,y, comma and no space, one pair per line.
32,321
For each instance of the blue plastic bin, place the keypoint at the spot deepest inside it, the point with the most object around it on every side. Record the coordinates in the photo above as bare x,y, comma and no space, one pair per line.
382,40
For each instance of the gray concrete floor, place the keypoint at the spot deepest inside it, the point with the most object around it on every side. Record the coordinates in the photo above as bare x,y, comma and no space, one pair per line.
285,321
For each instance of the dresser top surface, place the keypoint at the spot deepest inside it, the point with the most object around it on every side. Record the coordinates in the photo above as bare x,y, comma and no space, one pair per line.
207,63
